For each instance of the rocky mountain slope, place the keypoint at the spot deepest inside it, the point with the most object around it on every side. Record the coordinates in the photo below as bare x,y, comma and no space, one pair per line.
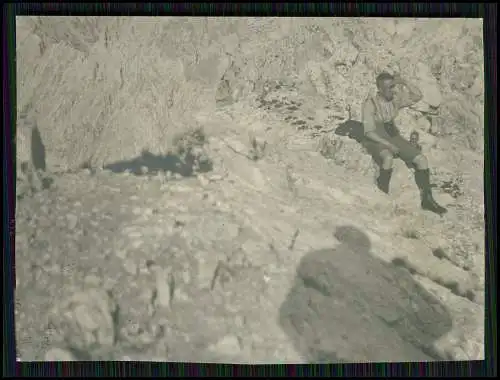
197,175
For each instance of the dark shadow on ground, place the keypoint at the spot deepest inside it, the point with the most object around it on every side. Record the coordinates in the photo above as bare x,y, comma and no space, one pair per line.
352,129
38,157
156,163
348,306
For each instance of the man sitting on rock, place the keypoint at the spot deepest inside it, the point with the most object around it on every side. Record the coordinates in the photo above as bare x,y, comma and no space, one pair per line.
384,141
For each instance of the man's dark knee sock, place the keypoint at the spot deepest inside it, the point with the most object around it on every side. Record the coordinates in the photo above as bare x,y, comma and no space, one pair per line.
422,179
384,179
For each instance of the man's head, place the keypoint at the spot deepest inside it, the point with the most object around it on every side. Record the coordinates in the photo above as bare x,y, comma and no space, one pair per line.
385,85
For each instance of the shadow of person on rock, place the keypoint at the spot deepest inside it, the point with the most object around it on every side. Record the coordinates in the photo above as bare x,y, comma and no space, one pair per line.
348,306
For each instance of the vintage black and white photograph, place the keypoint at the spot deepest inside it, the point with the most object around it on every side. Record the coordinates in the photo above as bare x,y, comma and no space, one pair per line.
257,190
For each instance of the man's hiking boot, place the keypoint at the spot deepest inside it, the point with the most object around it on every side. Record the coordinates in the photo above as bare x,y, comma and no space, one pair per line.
384,179
422,178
